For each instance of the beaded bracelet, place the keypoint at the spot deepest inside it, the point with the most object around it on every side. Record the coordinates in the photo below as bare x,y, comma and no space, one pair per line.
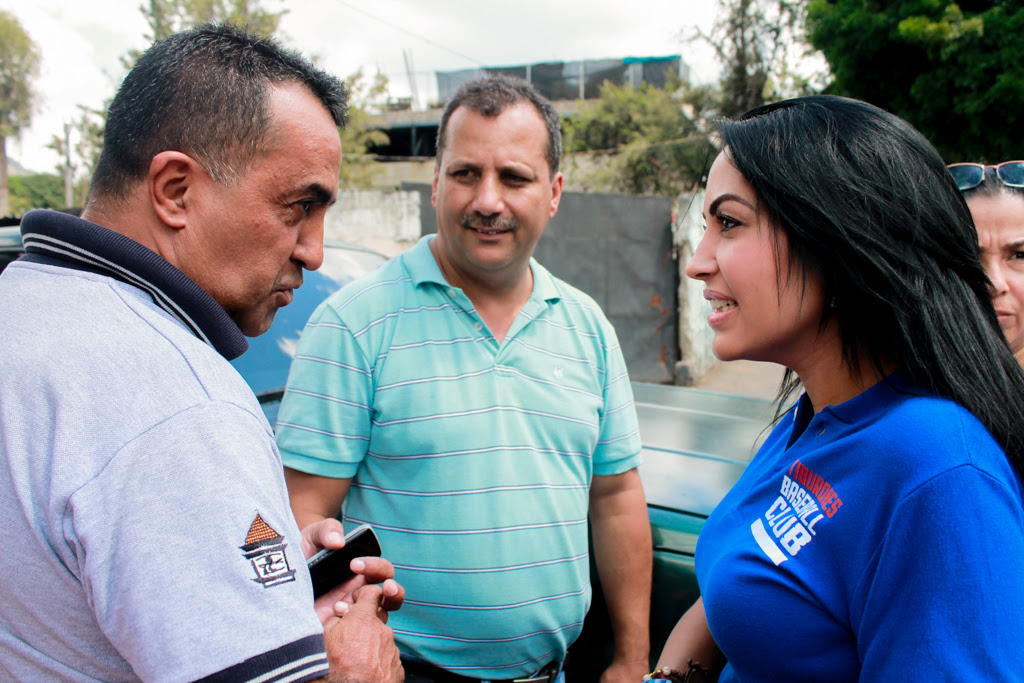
673,676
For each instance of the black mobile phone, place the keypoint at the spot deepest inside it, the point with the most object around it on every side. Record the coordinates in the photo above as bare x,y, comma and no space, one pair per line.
328,568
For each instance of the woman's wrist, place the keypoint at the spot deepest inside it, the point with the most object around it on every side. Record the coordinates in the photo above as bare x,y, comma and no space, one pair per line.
694,673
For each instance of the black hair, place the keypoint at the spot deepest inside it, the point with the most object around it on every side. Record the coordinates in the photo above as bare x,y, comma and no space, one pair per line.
866,203
490,96
204,92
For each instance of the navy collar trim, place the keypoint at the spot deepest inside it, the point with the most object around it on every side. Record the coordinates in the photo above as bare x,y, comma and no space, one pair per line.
67,241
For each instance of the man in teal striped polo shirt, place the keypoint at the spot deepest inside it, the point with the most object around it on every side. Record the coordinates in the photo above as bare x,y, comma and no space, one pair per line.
475,410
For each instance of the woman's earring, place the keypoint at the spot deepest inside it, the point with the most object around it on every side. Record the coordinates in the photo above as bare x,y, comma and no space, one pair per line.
832,304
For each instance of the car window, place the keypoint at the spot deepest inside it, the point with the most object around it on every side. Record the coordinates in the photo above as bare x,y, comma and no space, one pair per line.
10,241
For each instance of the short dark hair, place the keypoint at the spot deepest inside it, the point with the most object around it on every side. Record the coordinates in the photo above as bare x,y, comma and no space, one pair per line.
204,92
490,96
866,203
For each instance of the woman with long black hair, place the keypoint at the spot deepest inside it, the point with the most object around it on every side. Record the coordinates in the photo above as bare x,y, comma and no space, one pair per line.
878,534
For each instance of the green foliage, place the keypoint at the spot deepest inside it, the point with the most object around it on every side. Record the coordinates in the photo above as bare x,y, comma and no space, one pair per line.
954,71
358,168
756,42
19,65
642,139
170,16
37,191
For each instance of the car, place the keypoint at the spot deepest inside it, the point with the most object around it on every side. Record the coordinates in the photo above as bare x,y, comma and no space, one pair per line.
10,242
695,446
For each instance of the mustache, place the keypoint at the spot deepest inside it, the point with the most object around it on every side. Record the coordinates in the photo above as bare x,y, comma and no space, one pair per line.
478,222
289,281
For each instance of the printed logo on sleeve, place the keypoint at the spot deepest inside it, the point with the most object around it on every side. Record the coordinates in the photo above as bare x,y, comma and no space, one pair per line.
264,548
805,499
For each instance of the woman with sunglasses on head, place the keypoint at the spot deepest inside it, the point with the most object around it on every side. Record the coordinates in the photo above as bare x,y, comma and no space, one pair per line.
878,534
995,195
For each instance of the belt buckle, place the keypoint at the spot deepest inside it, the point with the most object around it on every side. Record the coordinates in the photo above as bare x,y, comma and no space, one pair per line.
546,675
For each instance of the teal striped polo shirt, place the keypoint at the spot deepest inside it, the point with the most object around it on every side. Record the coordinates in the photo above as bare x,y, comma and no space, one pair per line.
472,459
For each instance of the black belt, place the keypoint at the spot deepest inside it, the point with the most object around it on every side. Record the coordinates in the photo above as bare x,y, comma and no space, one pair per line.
547,674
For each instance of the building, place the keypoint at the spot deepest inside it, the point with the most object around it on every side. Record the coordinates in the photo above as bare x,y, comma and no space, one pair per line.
566,84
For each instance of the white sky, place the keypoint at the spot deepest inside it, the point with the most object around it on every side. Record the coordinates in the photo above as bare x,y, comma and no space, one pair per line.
82,42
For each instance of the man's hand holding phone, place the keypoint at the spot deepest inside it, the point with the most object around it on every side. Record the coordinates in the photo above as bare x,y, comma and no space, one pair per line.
364,569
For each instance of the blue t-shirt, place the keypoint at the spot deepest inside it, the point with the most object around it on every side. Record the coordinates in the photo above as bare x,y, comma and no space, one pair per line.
880,539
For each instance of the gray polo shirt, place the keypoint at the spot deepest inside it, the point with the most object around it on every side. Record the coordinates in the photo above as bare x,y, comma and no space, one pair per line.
147,532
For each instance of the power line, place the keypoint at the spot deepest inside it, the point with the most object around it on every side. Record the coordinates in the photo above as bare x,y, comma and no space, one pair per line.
405,30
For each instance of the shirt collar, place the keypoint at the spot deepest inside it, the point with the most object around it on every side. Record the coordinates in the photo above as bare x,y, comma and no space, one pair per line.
859,408
423,268
64,240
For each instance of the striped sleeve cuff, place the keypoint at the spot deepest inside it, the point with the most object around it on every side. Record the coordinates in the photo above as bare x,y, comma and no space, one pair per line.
296,662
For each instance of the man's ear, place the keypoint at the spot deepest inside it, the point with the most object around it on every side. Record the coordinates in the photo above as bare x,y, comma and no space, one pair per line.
433,189
171,176
556,193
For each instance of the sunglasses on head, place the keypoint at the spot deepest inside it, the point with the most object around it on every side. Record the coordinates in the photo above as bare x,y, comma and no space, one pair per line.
968,176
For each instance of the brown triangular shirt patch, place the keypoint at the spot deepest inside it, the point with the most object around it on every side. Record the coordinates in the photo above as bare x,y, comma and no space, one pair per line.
260,531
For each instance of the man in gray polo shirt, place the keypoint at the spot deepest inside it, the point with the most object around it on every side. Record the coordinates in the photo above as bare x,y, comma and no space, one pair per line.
147,532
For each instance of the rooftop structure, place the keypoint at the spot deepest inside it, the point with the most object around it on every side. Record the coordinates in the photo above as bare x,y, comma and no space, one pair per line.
579,79
413,133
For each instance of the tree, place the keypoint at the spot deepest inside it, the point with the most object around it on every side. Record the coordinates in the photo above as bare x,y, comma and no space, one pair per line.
954,71
171,16
81,156
756,42
358,167
36,191
19,64
643,138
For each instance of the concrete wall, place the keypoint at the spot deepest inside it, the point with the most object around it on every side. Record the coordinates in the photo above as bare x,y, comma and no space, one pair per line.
390,175
387,221
694,333
578,170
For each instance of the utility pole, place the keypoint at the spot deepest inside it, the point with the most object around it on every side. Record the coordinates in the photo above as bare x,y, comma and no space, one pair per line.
411,73
5,188
69,188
